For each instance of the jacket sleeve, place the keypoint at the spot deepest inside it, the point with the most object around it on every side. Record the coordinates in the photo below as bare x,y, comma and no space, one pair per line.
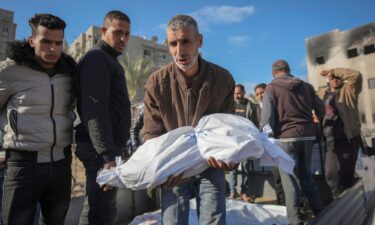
138,125
4,86
352,79
95,89
317,104
254,114
153,122
229,105
268,110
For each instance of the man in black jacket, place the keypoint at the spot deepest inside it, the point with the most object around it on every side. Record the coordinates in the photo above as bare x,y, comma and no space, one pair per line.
104,109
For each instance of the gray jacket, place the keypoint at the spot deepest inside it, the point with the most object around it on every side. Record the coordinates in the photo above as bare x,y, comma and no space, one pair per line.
36,107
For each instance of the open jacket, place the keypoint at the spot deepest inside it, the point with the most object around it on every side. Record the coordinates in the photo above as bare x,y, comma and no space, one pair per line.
36,106
169,104
347,100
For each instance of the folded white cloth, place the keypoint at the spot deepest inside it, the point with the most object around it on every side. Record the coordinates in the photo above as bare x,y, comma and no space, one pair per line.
226,137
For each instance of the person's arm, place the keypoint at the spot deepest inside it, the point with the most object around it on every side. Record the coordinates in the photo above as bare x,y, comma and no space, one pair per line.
95,89
352,78
254,114
229,105
134,132
268,110
317,104
5,86
153,122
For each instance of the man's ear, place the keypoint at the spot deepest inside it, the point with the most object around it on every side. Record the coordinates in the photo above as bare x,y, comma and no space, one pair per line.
200,40
31,41
103,29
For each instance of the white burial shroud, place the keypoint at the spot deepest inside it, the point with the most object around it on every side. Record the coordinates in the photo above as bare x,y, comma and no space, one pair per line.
227,137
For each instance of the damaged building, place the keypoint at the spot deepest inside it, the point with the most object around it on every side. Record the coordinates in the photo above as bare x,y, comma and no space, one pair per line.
355,49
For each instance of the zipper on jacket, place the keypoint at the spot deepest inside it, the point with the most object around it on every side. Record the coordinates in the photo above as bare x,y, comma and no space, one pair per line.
188,107
53,121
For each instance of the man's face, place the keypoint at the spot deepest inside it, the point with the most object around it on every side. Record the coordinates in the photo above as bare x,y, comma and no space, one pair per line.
47,45
259,92
335,82
238,94
116,34
183,46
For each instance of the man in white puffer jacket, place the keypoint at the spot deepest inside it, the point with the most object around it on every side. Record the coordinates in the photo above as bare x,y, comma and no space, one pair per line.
36,103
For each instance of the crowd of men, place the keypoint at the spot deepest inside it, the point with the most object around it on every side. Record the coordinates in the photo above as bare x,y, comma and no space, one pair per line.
40,87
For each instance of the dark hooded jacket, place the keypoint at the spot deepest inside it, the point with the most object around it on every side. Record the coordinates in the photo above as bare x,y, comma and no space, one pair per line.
36,105
288,104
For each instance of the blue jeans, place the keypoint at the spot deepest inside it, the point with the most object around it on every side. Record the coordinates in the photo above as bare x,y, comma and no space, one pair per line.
245,167
302,181
209,189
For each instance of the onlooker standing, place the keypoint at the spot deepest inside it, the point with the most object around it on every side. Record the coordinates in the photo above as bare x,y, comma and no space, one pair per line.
259,93
280,196
341,127
247,109
36,104
287,107
180,94
104,109
136,129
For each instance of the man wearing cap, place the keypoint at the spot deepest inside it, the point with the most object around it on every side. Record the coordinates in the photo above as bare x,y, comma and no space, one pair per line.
341,126
287,107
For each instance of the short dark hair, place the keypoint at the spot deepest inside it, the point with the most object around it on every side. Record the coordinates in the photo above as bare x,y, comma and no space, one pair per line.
181,21
240,86
281,65
261,85
49,21
115,14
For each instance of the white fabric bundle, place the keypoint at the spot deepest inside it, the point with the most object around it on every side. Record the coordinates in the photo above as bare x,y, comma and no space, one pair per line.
226,137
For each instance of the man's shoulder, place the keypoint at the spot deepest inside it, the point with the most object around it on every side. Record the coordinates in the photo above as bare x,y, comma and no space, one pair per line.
162,75
7,64
96,54
9,68
217,70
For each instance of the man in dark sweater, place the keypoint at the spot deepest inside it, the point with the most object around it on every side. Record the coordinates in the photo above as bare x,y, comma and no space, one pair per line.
104,109
287,107
247,109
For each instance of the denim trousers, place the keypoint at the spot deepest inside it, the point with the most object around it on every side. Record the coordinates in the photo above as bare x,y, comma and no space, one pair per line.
301,181
245,167
99,207
209,190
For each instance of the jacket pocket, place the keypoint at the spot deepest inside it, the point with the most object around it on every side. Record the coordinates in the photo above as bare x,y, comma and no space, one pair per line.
13,120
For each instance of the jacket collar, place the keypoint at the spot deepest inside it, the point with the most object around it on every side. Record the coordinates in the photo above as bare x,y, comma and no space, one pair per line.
23,54
198,79
104,46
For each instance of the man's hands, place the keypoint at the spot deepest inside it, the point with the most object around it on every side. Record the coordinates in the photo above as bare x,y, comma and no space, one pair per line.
178,180
109,165
218,164
174,181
